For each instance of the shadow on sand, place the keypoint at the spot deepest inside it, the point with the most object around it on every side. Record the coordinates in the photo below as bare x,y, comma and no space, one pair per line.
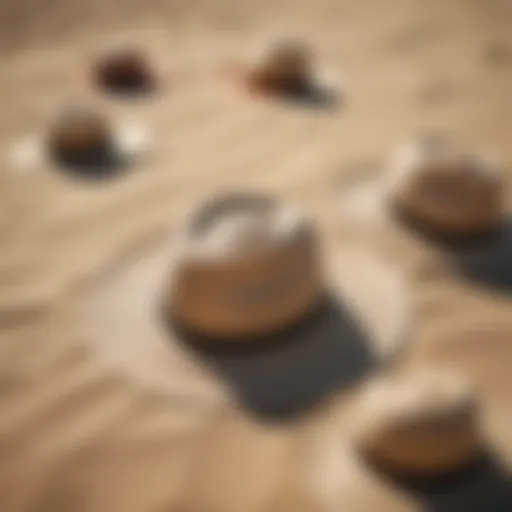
483,258
92,166
481,487
131,90
489,263
313,95
282,375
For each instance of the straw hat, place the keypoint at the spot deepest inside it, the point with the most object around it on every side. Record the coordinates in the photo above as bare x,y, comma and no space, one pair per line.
246,270
80,136
421,425
437,187
254,271
447,189
286,67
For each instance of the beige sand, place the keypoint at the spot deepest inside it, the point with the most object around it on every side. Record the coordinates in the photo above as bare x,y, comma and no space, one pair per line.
76,437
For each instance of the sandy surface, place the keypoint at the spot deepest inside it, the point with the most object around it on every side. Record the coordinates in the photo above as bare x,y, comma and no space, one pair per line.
75,436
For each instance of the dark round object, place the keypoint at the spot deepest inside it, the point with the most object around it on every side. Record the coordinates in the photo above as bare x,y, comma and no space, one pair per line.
80,135
125,71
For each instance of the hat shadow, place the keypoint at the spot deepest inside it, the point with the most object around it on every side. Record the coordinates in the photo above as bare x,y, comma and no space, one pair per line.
483,486
282,375
95,165
489,262
131,90
481,257
313,95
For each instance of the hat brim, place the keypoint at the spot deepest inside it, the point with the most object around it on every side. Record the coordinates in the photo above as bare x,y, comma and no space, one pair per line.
29,154
361,324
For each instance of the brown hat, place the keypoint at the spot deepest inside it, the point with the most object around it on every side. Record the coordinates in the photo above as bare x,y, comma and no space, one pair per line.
80,131
437,187
422,424
248,266
283,65
124,69
79,135
286,67
446,188
246,270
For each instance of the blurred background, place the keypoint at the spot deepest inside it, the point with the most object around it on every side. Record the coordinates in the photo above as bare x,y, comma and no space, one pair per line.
74,435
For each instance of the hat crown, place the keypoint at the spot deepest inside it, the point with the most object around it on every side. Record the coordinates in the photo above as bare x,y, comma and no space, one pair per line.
284,59
438,160
80,125
241,226
421,397
248,265
289,50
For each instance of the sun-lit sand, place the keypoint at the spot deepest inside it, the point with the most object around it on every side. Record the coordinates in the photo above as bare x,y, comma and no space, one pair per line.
76,436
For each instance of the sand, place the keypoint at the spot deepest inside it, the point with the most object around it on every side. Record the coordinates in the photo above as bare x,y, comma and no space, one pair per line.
77,436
